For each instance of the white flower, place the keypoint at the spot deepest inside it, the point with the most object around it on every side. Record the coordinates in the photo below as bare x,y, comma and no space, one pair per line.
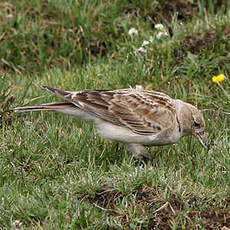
159,26
132,32
145,43
139,87
16,224
151,38
142,49
151,169
160,34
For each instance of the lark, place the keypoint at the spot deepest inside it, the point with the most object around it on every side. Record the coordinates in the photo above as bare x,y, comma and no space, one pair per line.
135,117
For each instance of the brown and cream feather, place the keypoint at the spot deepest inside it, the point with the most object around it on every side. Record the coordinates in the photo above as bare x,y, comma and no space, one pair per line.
134,117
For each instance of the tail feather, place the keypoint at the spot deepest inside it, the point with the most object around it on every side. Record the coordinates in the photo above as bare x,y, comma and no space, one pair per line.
57,92
49,106
55,106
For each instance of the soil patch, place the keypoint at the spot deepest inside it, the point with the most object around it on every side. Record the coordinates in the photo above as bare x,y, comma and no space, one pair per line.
198,43
163,213
182,9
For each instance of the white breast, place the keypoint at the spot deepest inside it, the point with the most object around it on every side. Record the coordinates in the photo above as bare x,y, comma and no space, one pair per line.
122,134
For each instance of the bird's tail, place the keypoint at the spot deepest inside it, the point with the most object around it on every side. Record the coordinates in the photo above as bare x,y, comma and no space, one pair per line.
54,106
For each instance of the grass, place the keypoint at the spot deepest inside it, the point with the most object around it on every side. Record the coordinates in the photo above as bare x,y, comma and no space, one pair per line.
56,173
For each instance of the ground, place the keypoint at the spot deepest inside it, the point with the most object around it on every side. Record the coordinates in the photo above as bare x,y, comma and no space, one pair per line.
56,172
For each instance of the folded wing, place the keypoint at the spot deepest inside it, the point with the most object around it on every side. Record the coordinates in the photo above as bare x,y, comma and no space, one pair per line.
143,112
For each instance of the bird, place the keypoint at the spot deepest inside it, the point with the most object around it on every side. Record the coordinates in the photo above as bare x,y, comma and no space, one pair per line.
135,117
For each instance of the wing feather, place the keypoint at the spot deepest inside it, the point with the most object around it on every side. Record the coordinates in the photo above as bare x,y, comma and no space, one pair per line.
144,112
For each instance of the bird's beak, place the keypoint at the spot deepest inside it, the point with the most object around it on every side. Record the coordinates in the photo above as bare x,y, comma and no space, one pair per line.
202,138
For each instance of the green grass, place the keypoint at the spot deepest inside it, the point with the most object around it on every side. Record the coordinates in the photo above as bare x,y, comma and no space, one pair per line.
56,173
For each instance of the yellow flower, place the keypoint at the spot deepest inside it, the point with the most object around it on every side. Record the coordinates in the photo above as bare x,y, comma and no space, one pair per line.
218,78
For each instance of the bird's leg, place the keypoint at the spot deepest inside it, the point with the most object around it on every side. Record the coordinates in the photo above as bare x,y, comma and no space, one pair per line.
138,151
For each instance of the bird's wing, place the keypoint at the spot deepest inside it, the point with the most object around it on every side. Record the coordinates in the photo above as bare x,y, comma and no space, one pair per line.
143,112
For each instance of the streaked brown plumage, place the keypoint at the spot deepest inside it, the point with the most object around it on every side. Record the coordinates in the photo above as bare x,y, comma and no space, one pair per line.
134,117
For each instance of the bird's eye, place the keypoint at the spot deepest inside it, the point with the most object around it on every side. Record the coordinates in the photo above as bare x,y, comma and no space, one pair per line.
196,125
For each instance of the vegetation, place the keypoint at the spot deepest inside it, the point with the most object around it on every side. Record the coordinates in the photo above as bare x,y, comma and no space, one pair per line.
56,173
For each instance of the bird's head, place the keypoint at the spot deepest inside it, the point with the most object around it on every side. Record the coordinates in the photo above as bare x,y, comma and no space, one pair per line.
192,122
